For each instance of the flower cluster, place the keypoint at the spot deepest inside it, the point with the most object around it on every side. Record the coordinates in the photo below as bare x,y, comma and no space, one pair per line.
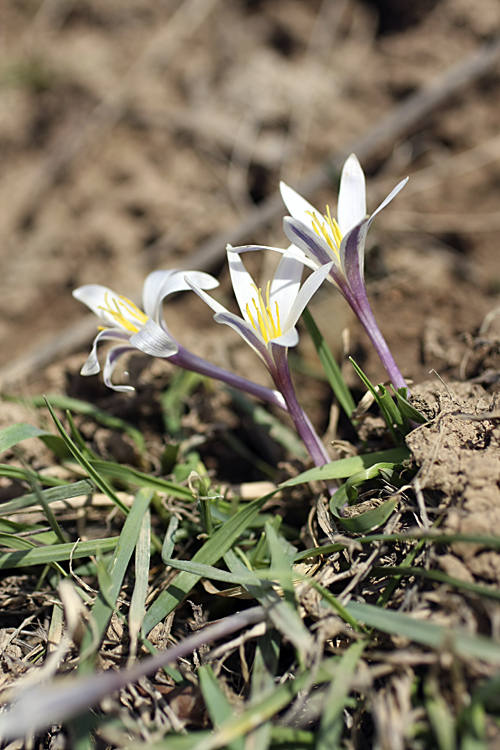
333,248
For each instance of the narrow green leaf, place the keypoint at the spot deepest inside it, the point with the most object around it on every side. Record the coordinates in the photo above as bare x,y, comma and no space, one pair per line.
218,707
56,553
85,464
138,599
16,433
77,406
128,476
51,495
427,633
102,609
332,719
346,467
209,554
330,366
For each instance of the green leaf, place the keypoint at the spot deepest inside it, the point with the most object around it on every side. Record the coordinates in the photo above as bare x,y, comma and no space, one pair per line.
218,707
51,495
56,553
16,433
346,467
86,465
210,553
128,476
427,633
77,406
330,366
106,601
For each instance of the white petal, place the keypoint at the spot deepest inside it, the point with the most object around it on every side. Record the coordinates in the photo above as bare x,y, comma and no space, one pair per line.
92,366
152,340
389,198
286,284
94,296
160,284
100,299
216,306
351,207
243,284
288,339
112,358
297,206
310,286
247,333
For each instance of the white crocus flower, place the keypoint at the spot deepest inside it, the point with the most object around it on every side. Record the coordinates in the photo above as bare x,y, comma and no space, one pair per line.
268,315
145,330
268,318
320,239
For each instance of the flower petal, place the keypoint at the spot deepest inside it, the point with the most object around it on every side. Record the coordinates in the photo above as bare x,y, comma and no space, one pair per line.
389,198
246,331
353,255
312,245
297,206
351,207
112,358
243,284
92,366
211,302
288,339
310,286
286,284
153,340
160,284
96,297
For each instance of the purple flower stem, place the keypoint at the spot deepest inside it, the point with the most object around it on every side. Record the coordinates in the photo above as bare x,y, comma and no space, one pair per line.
364,312
192,362
283,381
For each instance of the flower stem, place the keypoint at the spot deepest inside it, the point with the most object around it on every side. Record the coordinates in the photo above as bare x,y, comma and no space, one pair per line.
365,314
192,362
283,381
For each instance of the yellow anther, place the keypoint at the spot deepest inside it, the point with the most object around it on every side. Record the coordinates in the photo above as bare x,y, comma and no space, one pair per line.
333,237
266,324
122,310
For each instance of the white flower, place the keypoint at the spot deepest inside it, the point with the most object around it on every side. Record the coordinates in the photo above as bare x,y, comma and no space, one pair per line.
131,327
269,315
318,239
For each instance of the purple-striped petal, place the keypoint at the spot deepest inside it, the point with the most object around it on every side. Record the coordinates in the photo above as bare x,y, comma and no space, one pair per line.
92,366
153,340
247,333
352,253
112,358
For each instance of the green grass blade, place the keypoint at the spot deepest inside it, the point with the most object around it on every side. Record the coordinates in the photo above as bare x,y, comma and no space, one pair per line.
427,633
102,609
51,495
130,477
56,553
346,467
209,554
86,465
138,599
218,707
16,433
330,366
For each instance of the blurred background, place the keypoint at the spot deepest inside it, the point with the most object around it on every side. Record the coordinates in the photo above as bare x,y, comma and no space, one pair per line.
131,133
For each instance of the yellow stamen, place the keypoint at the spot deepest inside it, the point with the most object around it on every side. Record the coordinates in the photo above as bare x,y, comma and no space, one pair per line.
120,308
267,325
333,237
